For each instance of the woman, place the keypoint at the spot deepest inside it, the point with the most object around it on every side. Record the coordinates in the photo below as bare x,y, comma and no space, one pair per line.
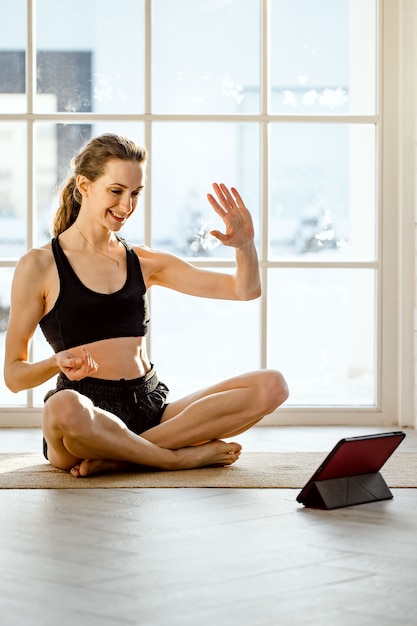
87,290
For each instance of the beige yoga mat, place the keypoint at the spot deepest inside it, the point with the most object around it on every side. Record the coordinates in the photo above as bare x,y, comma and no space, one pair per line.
276,470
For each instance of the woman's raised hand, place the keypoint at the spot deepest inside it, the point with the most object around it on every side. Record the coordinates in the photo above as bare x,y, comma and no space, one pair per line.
236,217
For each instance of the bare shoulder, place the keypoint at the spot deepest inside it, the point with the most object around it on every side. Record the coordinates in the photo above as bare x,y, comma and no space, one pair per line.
153,262
147,253
35,264
39,258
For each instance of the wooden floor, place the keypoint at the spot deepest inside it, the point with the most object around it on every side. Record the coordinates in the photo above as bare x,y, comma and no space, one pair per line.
225,557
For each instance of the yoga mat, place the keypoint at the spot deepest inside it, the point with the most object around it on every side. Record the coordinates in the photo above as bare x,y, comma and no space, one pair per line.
257,470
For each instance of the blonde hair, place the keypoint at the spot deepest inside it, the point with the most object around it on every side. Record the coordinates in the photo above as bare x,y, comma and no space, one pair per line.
91,162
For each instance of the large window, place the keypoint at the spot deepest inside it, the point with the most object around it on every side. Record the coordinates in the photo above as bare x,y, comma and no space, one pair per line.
280,98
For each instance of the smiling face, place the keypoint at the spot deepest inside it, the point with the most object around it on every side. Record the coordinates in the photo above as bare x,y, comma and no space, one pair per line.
114,195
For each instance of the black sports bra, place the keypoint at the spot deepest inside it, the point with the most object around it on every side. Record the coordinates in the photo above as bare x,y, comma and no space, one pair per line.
81,316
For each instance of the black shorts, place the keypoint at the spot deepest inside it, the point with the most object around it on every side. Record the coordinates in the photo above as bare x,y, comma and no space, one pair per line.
139,403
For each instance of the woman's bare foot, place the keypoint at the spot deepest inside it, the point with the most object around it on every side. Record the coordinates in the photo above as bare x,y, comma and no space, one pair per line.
215,452
95,466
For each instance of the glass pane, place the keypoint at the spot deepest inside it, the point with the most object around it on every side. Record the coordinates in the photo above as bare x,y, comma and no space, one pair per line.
322,191
13,189
182,343
186,160
7,398
323,56
321,334
205,56
12,56
55,145
85,62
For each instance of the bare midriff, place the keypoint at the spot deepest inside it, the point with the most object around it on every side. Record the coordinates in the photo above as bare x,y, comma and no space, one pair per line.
121,357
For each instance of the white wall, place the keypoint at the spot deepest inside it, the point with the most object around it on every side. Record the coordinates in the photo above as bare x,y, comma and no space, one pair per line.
408,204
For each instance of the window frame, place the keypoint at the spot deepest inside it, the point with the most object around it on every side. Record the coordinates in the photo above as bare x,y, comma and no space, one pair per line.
395,241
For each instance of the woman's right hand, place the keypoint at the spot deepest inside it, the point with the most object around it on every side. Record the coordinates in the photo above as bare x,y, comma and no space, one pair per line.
76,367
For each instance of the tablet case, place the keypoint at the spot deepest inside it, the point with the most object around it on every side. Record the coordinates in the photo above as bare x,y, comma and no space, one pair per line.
350,475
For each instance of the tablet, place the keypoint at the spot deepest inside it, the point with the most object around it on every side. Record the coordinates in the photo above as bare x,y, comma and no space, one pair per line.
353,456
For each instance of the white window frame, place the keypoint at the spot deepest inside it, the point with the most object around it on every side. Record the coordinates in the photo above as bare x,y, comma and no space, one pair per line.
396,129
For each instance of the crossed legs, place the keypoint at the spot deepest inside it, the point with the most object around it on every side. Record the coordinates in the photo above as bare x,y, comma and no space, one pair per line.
85,439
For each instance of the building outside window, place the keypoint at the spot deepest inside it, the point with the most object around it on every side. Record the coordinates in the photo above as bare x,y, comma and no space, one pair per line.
280,98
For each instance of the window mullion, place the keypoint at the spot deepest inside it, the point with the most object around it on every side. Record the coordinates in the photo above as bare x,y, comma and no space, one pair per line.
264,175
30,185
148,115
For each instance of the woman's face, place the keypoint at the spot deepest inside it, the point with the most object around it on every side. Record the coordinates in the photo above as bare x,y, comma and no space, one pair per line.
113,197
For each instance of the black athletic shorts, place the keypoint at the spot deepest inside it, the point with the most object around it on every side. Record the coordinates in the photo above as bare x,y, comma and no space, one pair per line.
139,403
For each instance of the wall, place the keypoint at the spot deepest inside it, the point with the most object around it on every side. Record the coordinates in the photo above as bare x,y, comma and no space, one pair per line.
408,201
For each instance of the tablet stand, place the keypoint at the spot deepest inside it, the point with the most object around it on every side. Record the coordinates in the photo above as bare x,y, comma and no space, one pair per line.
347,491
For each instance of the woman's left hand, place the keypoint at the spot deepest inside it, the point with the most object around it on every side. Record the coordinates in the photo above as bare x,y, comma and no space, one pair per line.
236,217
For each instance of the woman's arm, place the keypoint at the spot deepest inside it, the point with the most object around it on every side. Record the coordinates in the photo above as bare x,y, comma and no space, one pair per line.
240,235
170,271
26,310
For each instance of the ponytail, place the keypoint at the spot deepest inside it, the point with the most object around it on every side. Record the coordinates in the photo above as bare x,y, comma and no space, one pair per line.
69,207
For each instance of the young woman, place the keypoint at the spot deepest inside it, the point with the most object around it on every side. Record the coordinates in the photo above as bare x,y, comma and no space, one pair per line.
87,289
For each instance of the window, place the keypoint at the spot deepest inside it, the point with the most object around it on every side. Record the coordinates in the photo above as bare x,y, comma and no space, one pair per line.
281,98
